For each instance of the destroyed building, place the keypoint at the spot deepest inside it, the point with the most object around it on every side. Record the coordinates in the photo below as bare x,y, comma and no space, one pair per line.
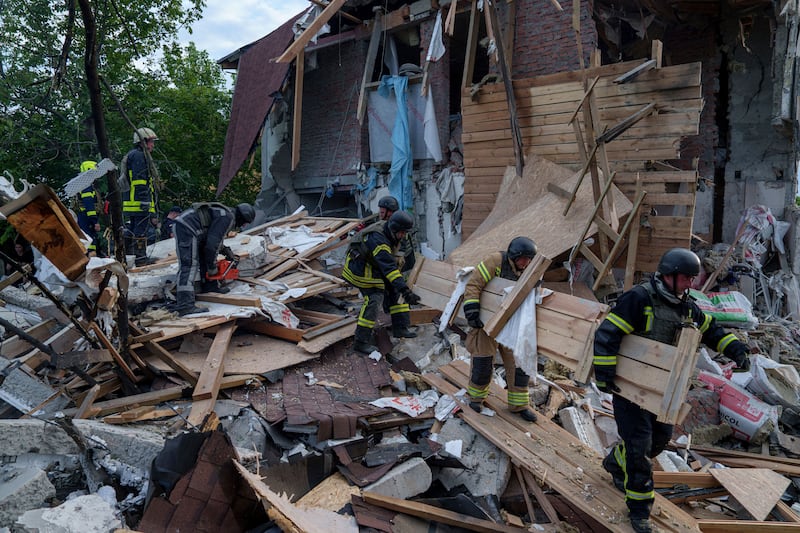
608,132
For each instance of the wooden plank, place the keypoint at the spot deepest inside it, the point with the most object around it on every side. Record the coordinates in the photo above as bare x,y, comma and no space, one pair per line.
13,347
436,514
526,283
747,526
697,480
162,353
757,489
297,122
309,33
87,402
472,46
82,357
113,351
369,64
241,300
633,73
273,330
207,385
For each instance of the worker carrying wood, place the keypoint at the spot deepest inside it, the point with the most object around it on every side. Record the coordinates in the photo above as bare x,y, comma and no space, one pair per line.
508,265
371,266
656,309
199,235
387,206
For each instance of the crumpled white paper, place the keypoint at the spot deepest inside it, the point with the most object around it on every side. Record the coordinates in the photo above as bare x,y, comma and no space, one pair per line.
410,405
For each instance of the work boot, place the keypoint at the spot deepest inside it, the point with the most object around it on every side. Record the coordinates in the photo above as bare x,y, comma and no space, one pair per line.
642,525
213,286
527,415
403,332
617,475
184,304
476,405
364,347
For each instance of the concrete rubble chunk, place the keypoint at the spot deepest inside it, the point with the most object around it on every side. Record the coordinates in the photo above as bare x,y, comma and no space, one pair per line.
19,437
580,423
25,392
22,489
136,447
487,468
84,514
404,481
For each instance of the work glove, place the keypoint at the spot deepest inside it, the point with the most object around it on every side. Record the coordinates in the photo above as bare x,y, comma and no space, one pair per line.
410,297
738,352
472,312
228,253
604,378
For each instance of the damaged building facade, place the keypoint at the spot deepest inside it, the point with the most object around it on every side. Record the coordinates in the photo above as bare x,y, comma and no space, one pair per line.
330,137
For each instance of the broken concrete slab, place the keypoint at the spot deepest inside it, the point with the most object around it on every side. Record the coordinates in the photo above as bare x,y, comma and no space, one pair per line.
580,423
23,436
21,490
404,481
25,392
84,514
132,446
487,468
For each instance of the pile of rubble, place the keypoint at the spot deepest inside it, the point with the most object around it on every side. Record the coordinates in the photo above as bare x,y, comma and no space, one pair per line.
258,413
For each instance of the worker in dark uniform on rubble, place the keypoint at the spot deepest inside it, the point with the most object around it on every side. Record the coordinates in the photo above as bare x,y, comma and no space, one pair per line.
508,265
656,309
139,200
199,236
87,210
371,266
387,206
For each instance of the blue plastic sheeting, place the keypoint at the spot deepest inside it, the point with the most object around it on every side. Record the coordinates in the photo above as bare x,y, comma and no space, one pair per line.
400,183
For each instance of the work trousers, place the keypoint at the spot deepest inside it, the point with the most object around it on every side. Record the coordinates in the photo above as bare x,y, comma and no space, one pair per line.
188,242
482,348
375,299
643,437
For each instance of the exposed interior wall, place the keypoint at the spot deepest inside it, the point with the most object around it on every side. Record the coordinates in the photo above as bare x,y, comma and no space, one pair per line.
760,165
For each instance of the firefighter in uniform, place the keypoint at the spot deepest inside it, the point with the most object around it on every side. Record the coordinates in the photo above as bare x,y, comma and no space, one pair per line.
406,258
508,265
656,309
371,266
139,201
87,210
199,236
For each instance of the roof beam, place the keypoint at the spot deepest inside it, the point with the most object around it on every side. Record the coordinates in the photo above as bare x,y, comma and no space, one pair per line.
304,38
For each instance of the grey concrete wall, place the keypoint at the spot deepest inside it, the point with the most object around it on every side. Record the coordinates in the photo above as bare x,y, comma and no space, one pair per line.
761,159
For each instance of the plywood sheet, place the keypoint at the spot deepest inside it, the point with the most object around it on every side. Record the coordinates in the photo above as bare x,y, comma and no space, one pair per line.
543,221
757,489
247,354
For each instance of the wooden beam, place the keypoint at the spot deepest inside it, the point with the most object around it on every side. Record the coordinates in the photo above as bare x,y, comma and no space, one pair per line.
633,242
657,52
344,14
86,404
437,514
369,64
617,248
526,283
211,375
301,41
163,354
747,526
634,72
114,353
541,497
297,120
620,128
472,46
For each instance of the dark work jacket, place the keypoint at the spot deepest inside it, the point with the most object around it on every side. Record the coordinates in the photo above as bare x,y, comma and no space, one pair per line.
370,261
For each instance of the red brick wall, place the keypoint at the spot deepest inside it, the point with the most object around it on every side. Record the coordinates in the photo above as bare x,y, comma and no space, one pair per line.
688,45
545,42
330,101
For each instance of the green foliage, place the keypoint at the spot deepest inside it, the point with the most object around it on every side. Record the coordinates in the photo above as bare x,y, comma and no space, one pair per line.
46,128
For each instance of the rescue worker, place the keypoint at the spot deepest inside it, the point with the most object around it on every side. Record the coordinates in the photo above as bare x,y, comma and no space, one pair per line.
508,265
139,201
87,210
199,235
656,309
406,259
371,266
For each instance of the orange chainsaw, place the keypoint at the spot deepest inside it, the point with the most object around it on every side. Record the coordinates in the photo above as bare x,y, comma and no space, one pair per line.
226,270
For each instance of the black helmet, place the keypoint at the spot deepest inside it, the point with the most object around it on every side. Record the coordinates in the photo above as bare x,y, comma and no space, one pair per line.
399,221
244,214
390,203
679,261
521,247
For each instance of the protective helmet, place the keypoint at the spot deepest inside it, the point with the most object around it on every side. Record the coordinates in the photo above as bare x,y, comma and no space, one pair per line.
86,165
679,261
244,214
521,247
399,221
144,133
390,203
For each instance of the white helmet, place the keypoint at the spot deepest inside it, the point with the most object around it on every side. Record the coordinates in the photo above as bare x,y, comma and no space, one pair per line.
144,133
